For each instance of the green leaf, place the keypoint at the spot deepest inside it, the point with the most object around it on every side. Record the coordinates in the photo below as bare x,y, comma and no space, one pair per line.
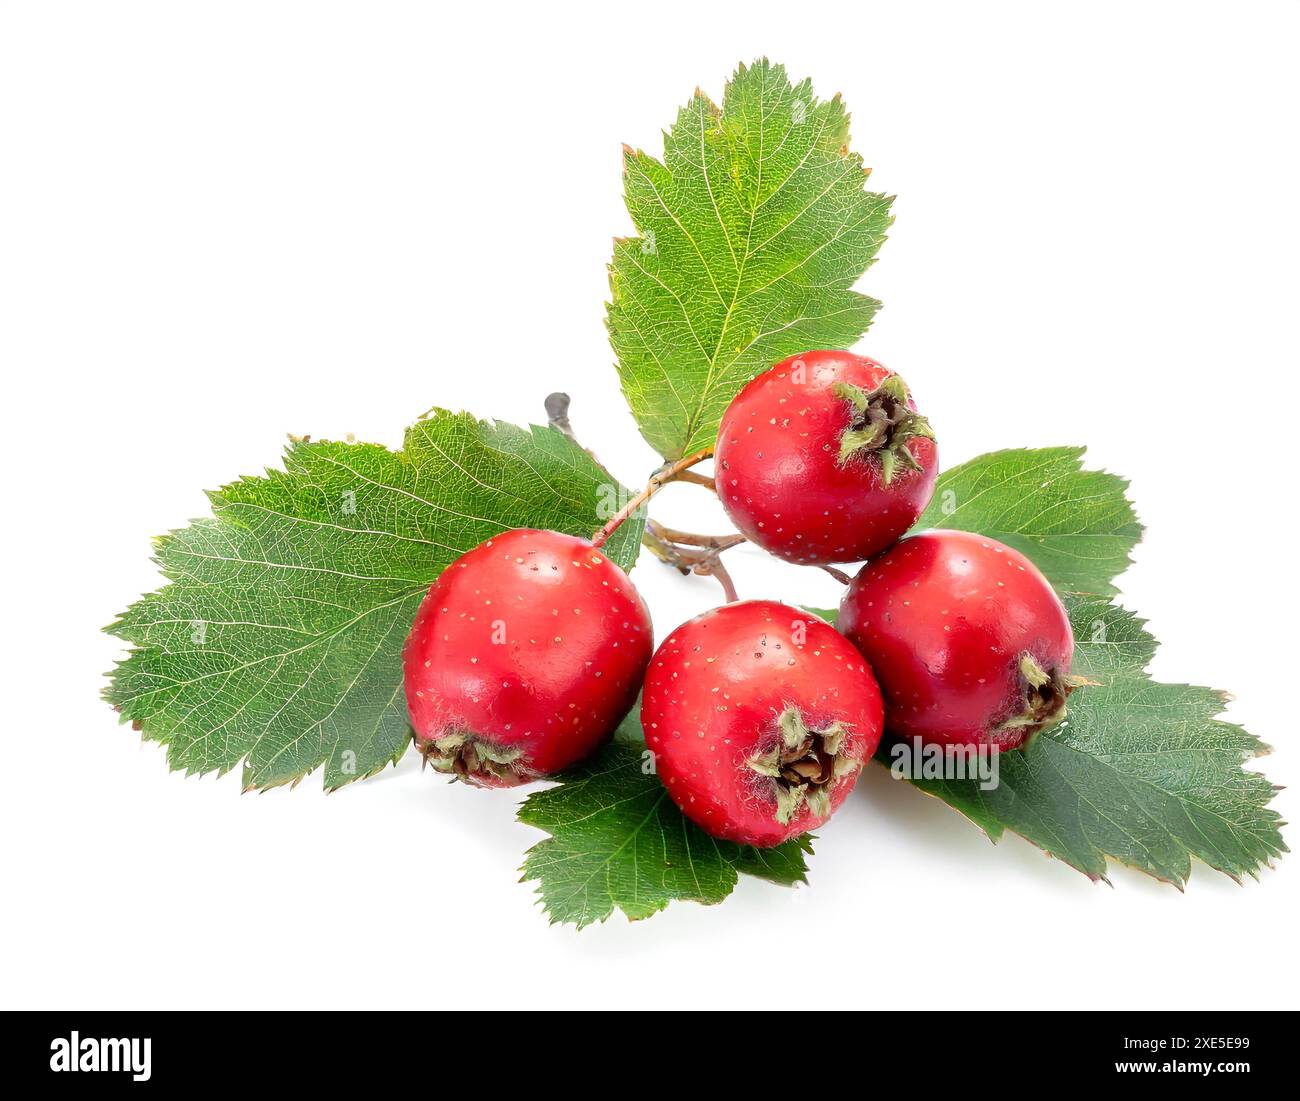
1142,772
1077,525
278,642
753,230
618,841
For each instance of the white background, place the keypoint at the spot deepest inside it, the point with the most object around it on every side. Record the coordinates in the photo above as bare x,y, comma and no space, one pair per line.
223,222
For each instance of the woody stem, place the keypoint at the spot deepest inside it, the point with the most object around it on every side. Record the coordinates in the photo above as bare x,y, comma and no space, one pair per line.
685,551
689,553
667,473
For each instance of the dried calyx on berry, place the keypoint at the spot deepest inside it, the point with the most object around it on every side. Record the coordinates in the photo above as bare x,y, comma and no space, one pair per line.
1043,698
803,764
469,758
882,424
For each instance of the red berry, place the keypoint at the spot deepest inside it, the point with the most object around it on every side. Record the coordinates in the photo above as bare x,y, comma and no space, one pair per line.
760,717
969,641
823,458
525,654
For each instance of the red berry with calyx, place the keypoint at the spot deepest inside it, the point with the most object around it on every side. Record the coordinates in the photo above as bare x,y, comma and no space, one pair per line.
760,717
823,458
525,655
969,641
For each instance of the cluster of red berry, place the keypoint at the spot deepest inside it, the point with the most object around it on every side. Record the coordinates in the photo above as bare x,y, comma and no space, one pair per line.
530,649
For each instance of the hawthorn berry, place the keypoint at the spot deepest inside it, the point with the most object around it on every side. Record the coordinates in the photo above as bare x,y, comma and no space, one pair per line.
823,458
525,655
760,717
970,643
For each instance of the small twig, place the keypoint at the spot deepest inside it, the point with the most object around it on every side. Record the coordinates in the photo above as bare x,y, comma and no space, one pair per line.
663,551
702,559
685,551
839,575
667,473
715,568
557,414
683,559
697,480
709,542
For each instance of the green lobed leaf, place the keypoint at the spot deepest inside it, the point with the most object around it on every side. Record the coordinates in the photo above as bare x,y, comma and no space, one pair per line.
278,641
619,842
1140,771
1077,525
753,229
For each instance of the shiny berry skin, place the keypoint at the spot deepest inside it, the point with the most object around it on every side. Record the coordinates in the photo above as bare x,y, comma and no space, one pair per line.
969,642
760,718
525,655
823,459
